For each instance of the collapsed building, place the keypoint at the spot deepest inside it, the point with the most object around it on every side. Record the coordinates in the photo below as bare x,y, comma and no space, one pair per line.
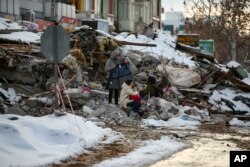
193,86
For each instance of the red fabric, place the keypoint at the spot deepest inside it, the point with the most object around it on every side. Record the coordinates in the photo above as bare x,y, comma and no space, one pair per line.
135,97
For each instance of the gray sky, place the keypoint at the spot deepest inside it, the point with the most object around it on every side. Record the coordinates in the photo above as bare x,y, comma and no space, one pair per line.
177,5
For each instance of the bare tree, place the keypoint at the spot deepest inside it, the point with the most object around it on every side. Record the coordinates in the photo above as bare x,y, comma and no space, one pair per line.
221,19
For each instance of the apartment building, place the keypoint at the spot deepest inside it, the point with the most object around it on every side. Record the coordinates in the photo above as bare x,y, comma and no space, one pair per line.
124,15
133,14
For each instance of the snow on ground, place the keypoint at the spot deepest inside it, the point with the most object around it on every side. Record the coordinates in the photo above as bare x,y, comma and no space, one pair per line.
6,24
36,141
151,151
24,36
176,123
228,99
237,122
165,47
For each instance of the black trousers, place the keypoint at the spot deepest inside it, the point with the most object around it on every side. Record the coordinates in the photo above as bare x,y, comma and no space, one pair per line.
135,106
111,95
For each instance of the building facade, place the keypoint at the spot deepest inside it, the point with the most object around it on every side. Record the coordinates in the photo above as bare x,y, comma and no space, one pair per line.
95,9
133,14
38,9
10,9
124,15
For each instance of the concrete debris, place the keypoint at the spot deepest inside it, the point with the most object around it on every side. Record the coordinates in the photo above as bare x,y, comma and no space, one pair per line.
27,82
166,109
15,110
77,93
180,77
135,58
112,114
149,60
3,107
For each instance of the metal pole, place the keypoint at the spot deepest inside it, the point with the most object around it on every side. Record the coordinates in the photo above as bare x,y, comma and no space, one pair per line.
55,61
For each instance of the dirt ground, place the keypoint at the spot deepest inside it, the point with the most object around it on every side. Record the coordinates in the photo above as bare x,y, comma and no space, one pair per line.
133,136
208,137
233,131
211,147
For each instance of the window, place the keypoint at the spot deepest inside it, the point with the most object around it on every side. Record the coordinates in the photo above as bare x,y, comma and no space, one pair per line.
139,15
147,15
104,9
123,10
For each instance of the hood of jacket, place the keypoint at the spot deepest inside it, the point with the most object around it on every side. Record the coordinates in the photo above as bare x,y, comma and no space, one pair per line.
114,54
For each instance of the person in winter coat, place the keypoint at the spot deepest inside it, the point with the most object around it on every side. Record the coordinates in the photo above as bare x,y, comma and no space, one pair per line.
151,89
113,63
130,97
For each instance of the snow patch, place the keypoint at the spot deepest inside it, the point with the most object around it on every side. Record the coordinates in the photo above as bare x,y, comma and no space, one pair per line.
247,80
233,64
24,36
6,24
237,122
175,123
151,151
229,100
47,139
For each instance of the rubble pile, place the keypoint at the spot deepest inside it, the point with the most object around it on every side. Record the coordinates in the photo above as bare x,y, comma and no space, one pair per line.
94,46
205,87
192,87
17,67
198,82
112,114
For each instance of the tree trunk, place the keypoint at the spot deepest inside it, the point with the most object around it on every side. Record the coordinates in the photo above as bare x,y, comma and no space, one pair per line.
234,32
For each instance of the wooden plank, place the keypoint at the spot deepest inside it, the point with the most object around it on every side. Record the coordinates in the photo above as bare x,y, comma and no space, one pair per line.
194,51
135,44
242,117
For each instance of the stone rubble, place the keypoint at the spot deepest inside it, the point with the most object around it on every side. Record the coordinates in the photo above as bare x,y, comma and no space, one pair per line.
30,78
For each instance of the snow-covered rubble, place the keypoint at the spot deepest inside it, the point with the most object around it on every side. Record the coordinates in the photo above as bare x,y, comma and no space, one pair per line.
233,64
11,95
237,122
111,114
176,116
6,24
23,36
165,47
230,100
247,80
58,138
